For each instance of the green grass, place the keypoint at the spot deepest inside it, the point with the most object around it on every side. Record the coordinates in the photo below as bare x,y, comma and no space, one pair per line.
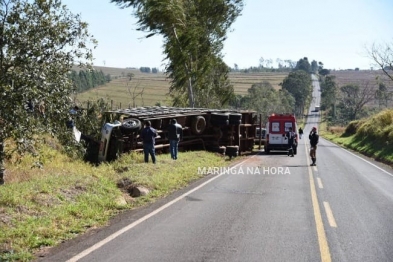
372,136
40,208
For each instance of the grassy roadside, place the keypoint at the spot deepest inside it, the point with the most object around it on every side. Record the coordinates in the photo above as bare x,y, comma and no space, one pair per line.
372,136
40,208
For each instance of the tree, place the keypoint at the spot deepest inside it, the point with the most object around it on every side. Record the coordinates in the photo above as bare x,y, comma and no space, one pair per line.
383,57
193,33
383,95
354,98
322,71
265,100
261,62
314,67
280,63
304,65
329,93
298,83
291,64
40,41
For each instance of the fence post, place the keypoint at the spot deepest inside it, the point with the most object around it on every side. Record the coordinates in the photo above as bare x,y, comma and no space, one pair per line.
260,131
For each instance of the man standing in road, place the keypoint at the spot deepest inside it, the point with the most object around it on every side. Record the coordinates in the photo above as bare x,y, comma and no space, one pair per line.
291,142
175,134
300,133
148,136
314,139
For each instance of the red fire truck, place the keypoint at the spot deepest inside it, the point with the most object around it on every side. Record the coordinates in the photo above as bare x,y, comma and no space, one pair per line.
276,128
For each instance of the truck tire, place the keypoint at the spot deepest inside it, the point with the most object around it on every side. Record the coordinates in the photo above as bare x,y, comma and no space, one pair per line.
235,119
130,125
198,125
232,151
219,119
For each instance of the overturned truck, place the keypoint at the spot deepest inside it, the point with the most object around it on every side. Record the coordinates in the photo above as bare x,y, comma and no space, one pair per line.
225,131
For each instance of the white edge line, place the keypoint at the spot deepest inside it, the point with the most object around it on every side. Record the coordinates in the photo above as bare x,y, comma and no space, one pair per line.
142,219
383,170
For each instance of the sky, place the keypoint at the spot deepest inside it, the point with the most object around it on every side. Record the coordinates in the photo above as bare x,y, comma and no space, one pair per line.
337,33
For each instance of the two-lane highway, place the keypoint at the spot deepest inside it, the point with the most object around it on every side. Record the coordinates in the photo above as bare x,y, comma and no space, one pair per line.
265,208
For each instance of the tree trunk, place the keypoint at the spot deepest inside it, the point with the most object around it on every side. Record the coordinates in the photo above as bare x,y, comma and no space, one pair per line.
190,93
2,168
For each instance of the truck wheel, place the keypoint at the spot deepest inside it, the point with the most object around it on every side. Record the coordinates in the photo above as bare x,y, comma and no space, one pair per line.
235,119
198,125
232,151
219,119
130,125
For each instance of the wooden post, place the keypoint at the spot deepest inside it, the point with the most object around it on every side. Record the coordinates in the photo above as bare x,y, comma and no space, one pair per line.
260,131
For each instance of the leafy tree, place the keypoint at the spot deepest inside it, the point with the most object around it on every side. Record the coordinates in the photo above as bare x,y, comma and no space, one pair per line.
329,94
304,65
193,33
145,69
265,100
322,71
314,67
329,91
298,83
383,95
40,41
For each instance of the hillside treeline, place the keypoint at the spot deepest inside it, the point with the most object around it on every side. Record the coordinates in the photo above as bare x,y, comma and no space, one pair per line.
85,80
293,97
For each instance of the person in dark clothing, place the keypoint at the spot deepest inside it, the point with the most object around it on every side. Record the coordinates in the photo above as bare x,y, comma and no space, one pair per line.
175,134
291,136
300,133
148,136
314,139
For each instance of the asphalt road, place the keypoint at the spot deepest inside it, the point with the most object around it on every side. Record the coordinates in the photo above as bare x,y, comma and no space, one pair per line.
265,208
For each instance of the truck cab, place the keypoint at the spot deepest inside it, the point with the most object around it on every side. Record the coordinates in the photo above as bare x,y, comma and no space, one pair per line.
276,128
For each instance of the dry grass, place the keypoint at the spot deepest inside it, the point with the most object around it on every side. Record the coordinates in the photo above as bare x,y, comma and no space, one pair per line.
337,130
364,79
155,87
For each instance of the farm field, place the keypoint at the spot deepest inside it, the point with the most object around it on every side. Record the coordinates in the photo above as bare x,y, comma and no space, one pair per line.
361,77
365,79
154,88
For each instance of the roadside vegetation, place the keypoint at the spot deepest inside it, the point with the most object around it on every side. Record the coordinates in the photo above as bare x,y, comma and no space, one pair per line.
41,206
371,136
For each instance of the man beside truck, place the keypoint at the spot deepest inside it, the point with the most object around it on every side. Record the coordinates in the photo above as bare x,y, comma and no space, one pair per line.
148,136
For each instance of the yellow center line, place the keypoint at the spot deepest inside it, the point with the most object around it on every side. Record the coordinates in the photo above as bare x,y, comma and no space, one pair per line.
322,240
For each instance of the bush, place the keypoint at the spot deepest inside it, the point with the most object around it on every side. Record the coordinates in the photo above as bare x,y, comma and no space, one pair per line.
353,127
379,126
